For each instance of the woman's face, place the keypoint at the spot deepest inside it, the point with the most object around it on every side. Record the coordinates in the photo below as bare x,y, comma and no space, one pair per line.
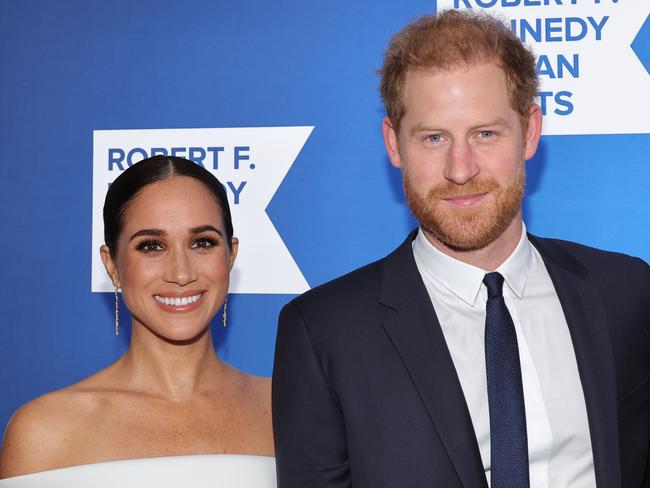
172,261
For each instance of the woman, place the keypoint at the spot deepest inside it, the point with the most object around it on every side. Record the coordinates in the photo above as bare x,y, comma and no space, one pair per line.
169,247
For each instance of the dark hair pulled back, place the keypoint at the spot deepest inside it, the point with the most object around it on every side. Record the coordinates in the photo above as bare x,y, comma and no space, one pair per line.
148,171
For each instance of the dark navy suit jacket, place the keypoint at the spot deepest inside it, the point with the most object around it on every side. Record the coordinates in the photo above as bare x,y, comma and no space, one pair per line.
365,393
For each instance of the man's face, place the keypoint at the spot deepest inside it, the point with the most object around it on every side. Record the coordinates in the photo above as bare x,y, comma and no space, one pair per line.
461,149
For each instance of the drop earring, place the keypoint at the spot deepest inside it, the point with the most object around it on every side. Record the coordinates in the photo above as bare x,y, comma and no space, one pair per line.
117,314
224,317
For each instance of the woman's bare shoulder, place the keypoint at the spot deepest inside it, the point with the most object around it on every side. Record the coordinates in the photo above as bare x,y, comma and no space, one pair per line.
262,388
42,431
254,406
257,389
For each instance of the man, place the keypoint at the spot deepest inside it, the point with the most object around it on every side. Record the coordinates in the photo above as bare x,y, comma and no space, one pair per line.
475,354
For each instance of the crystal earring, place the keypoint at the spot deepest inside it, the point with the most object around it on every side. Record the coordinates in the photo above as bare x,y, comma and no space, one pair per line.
117,313
224,317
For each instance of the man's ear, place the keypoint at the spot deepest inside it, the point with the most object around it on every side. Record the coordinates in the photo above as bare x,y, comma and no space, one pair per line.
390,141
534,131
109,264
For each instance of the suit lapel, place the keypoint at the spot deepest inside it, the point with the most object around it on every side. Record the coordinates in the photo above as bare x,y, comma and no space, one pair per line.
586,318
415,332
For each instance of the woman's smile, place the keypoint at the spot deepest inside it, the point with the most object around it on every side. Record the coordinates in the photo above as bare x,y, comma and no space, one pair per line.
179,302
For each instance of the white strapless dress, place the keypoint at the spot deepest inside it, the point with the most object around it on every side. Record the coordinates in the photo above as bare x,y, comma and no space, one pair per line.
214,471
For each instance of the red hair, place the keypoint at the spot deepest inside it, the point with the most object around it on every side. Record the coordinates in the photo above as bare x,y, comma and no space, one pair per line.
453,38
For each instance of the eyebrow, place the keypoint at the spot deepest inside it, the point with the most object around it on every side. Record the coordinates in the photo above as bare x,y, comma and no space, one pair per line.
424,128
148,232
492,123
160,232
205,228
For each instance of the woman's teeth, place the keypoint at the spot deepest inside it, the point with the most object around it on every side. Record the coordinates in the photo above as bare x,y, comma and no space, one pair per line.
177,302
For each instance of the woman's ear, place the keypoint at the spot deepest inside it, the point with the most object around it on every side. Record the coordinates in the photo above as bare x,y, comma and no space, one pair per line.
234,246
109,264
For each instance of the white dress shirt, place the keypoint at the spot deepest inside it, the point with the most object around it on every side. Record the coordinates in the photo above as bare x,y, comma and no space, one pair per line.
559,445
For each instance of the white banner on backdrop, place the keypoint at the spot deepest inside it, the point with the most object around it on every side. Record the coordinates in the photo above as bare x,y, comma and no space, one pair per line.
592,82
250,162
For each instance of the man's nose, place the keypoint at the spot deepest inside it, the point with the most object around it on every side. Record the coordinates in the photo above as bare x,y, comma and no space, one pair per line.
460,166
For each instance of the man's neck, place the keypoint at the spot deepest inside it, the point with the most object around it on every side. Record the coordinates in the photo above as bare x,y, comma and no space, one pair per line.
489,257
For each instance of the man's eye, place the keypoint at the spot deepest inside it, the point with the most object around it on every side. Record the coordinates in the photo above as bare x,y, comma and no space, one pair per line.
487,134
150,246
434,138
204,243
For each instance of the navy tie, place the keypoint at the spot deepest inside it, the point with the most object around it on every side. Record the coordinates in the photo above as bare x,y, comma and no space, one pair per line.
508,439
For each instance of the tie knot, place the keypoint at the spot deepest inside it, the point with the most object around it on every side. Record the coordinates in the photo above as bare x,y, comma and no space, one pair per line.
494,283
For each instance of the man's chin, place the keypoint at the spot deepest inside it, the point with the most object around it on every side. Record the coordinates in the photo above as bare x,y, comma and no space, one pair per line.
463,229
458,240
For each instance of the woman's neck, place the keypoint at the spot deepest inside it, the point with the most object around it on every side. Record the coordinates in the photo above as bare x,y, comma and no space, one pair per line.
175,371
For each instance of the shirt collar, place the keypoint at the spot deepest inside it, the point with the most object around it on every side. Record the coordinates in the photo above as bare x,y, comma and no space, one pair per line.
516,268
465,280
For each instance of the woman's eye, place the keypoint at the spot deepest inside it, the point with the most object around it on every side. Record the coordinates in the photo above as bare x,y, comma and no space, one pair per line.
150,246
204,243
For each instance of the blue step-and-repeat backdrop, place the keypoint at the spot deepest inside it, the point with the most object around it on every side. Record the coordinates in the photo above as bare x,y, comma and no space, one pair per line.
280,100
